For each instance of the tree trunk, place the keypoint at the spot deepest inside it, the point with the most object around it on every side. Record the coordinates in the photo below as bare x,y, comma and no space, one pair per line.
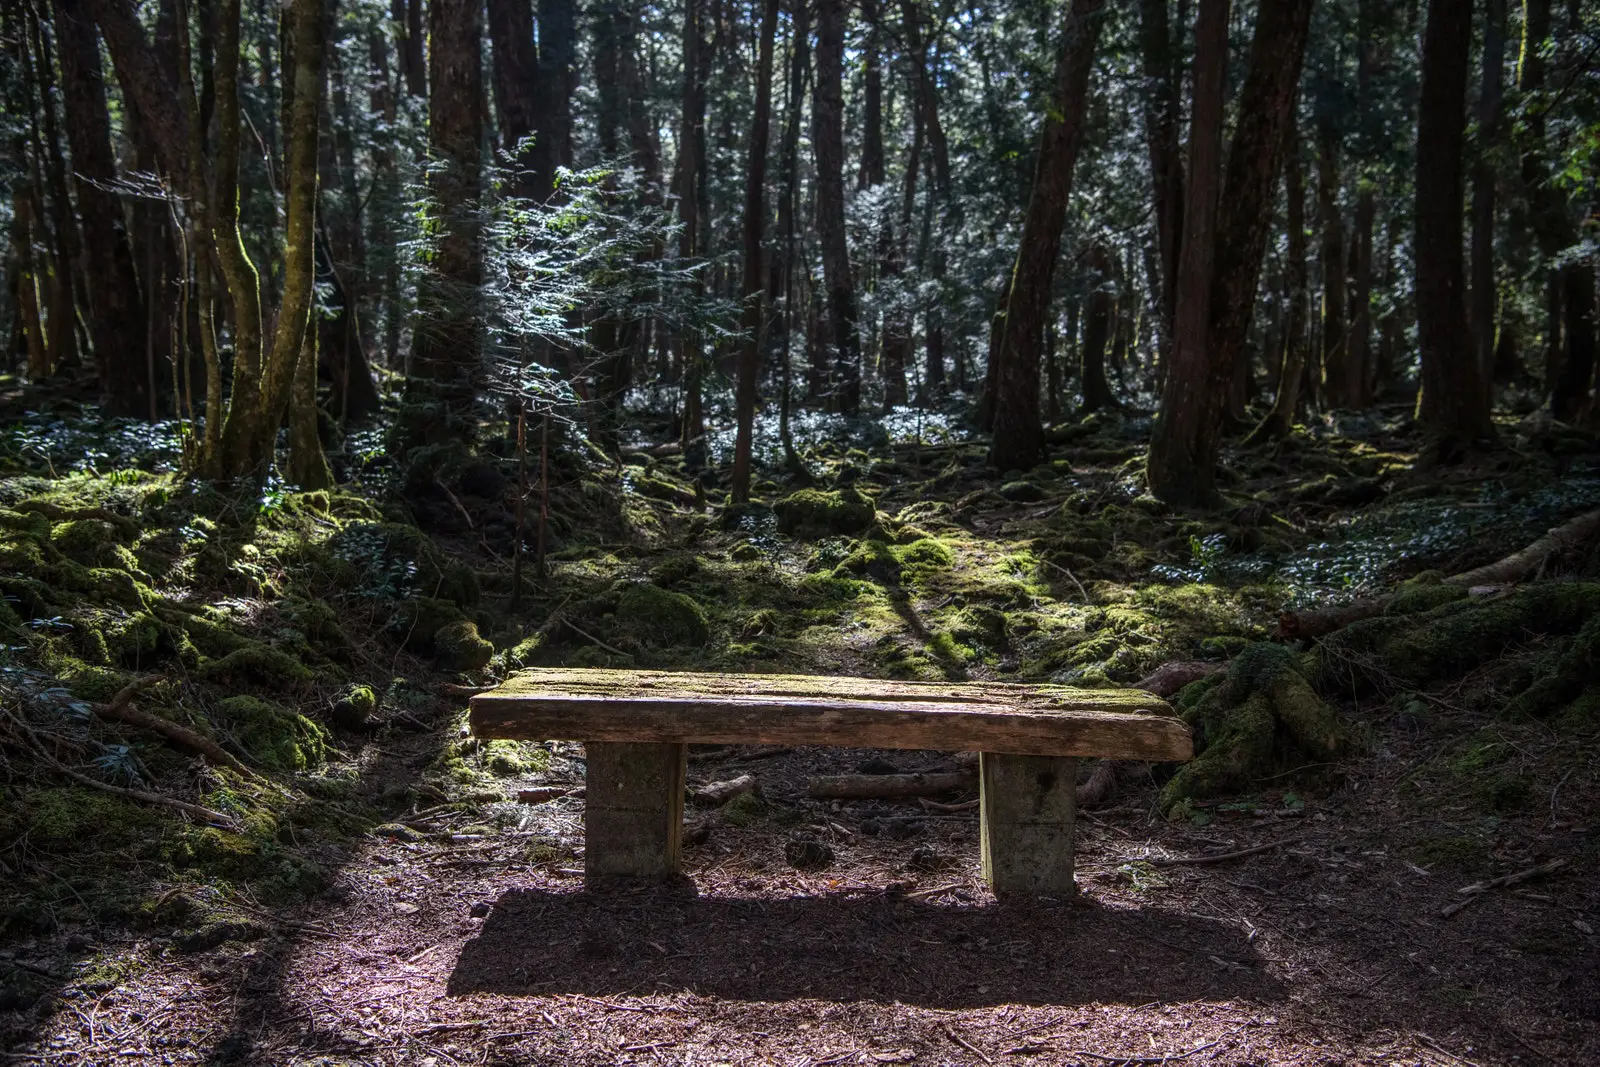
445,365
691,170
1484,296
1097,395
1161,111
827,118
927,110
1340,381
1453,406
1187,438
1018,437
754,215
552,146
414,65
1179,465
1285,404
516,88
116,307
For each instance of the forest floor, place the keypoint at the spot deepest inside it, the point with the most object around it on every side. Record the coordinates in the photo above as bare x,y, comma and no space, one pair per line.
381,895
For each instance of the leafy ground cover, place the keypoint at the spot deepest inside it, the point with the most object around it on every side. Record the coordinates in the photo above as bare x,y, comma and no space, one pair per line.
370,889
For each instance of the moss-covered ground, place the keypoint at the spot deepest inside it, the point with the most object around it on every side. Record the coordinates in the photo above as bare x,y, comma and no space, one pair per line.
328,640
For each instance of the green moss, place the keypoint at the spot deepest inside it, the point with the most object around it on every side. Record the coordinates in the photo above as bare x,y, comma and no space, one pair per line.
1262,719
674,569
72,816
977,624
820,513
1452,639
136,640
746,809
256,663
1416,596
659,618
274,736
1562,675
458,647
925,553
415,622
513,758
871,559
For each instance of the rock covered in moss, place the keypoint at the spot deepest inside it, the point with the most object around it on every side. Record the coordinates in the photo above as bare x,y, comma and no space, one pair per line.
873,559
978,624
659,618
1260,719
1022,492
459,647
272,735
1424,592
416,621
821,513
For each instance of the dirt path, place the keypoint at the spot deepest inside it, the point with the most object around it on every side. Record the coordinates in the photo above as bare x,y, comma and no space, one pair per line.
1328,948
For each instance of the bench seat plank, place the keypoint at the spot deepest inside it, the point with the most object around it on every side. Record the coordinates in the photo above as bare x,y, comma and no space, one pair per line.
678,708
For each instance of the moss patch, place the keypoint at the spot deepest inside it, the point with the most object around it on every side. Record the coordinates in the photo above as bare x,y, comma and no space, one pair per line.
274,736
820,513
1261,719
660,618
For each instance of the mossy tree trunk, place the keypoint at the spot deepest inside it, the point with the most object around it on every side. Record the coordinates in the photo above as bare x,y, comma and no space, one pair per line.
1018,435
263,379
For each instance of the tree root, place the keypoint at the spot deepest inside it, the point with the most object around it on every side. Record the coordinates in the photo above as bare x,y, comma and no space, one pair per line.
121,709
1295,625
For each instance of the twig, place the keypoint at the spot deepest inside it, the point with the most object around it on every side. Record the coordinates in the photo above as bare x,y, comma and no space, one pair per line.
1221,857
1441,1050
934,805
1554,792
1081,591
1477,889
584,633
949,1031
196,810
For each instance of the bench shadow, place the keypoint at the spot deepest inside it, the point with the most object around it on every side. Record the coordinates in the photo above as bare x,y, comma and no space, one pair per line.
883,947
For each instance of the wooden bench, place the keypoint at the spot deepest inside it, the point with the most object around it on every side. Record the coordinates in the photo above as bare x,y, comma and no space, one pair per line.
636,726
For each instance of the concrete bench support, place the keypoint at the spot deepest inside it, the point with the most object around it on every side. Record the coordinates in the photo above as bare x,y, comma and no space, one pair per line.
633,817
1027,806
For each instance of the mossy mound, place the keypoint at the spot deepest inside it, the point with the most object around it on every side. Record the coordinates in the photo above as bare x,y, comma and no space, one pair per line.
821,513
272,735
1566,677
1447,641
1260,720
871,559
659,618
458,647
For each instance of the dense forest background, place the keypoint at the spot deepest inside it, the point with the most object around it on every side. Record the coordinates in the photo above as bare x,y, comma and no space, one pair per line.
711,210
360,354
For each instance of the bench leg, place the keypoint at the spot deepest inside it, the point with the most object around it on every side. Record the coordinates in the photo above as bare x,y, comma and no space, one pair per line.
633,809
1027,806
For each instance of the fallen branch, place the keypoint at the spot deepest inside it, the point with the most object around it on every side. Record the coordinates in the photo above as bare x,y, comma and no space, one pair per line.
1167,679
122,709
883,786
1084,593
542,795
57,513
1294,625
716,794
214,817
1477,889
1221,857
946,809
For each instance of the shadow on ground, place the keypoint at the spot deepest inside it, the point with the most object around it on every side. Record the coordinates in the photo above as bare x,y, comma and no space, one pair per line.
852,948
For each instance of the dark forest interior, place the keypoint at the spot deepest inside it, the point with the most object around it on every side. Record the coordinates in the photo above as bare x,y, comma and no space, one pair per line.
361,354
